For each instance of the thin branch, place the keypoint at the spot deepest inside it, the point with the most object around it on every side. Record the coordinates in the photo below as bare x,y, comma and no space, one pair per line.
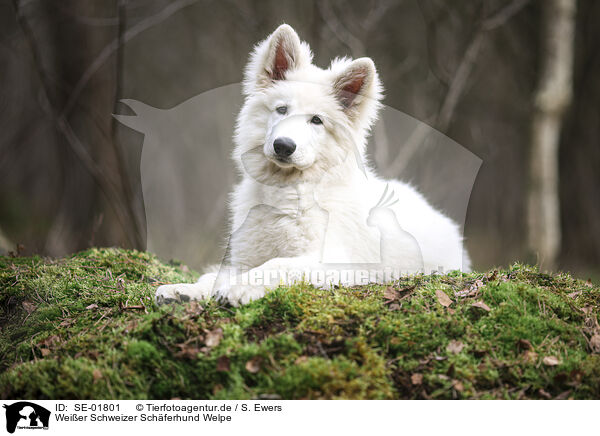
376,14
457,85
107,52
357,48
125,178
88,21
458,82
63,126
502,16
431,46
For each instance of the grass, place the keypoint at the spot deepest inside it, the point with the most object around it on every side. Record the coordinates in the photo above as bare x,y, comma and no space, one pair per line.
86,327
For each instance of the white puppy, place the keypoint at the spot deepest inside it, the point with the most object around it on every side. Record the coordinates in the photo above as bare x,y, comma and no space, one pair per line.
307,207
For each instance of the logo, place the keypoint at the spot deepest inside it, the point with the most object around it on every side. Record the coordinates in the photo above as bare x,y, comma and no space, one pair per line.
26,415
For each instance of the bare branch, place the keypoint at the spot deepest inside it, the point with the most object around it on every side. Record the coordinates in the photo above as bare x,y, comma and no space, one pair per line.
107,52
376,14
63,126
457,84
502,16
357,48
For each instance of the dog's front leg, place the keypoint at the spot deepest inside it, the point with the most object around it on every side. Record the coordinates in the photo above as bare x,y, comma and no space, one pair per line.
243,287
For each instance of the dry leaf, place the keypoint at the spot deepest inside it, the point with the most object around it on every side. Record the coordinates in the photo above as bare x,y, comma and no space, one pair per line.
595,343
443,298
392,294
587,310
194,308
28,306
574,294
214,337
50,340
389,293
458,386
301,359
187,351
472,290
530,356
588,283
253,365
524,344
45,352
416,378
480,304
563,396
544,394
223,364
551,360
455,347
92,306
96,374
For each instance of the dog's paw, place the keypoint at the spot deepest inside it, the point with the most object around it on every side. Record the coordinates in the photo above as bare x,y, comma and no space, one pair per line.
179,293
238,295
182,292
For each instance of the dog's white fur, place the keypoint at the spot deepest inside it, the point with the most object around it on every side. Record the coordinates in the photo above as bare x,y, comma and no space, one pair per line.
316,210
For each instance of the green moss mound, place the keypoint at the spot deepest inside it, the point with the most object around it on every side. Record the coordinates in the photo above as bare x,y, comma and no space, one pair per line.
86,327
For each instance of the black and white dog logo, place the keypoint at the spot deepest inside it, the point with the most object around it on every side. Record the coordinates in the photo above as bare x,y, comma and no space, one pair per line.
26,415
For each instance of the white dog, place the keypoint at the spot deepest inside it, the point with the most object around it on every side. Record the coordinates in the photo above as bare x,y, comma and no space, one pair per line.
307,208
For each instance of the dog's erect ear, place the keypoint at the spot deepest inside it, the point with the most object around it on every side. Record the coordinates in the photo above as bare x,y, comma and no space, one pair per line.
281,52
357,84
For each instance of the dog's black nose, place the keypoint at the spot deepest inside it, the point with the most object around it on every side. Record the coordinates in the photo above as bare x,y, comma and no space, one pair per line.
284,147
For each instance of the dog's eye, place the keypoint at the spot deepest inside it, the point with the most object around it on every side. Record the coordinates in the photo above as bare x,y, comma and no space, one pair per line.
282,110
316,120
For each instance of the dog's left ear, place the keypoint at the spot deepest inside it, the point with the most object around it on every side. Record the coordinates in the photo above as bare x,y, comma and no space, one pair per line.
358,89
281,52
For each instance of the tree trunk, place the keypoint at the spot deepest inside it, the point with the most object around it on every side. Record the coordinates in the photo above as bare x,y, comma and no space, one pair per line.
551,99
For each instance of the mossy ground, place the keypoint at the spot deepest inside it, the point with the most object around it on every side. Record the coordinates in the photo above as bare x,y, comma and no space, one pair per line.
86,327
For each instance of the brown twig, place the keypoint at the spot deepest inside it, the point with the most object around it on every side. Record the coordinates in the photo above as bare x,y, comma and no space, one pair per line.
139,307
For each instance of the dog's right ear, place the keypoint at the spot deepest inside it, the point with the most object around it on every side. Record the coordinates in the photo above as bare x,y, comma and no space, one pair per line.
272,58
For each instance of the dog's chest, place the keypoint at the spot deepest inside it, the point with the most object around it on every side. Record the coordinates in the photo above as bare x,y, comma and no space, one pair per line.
294,234
285,223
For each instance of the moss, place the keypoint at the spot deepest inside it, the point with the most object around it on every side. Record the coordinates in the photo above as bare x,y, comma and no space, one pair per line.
86,327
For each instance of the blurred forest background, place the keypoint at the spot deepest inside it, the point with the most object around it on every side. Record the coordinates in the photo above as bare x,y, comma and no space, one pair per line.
515,82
